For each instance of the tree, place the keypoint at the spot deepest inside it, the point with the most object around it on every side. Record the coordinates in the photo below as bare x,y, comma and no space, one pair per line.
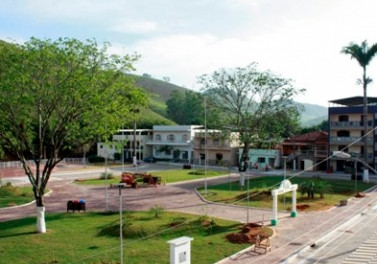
323,126
363,54
185,108
56,96
250,102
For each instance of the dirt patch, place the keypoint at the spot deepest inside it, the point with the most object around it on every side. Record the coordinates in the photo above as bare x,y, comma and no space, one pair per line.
360,195
247,234
302,207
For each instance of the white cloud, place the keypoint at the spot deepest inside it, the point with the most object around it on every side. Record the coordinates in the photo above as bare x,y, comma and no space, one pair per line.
137,27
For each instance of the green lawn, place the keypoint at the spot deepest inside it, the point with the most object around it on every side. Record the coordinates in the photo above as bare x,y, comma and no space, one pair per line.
94,238
11,195
260,193
167,176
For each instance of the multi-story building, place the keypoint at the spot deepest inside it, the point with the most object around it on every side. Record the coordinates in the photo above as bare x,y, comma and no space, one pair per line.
212,147
346,129
173,142
134,143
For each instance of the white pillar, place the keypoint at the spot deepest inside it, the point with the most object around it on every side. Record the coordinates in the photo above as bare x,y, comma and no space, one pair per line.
274,220
294,197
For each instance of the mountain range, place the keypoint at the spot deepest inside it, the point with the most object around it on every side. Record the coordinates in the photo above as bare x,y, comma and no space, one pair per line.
160,91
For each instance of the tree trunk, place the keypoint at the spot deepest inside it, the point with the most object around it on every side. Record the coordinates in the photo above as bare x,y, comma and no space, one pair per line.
365,104
41,224
244,161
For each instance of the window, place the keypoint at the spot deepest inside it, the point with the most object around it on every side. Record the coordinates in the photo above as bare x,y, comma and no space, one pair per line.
343,118
219,156
343,133
171,137
216,142
184,138
202,141
158,137
261,159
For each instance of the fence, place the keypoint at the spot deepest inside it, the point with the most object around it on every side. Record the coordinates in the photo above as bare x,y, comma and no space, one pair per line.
18,164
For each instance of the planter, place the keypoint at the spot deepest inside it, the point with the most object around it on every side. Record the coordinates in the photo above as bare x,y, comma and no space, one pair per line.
343,202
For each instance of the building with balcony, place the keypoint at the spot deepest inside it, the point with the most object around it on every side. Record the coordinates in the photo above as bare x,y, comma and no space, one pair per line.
346,130
215,148
173,142
133,142
303,151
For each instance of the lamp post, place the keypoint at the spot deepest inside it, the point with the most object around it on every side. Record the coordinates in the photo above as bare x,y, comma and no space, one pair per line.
343,155
285,174
120,186
205,145
135,111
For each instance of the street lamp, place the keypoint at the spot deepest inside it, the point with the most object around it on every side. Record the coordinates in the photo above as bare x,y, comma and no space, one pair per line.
134,159
120,186
343,155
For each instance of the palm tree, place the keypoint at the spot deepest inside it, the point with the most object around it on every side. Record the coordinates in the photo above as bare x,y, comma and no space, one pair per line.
363,54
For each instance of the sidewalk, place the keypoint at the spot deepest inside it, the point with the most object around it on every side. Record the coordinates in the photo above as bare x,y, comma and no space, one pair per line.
295,234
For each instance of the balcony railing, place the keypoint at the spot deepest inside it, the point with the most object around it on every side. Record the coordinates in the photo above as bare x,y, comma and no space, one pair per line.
348,140
349,124
168,142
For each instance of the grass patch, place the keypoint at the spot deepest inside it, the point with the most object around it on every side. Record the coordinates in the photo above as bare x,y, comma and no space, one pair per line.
260,193
94,238
167,176
11,195
170,176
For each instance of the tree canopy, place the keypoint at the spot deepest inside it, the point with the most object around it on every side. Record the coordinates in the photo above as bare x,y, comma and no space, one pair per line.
257,104
58,95
185,108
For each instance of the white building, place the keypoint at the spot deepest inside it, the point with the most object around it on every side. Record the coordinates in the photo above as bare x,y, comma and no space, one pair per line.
128,138
173,142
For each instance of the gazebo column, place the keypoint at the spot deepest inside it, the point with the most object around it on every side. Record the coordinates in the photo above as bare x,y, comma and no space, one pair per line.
294,197
274,220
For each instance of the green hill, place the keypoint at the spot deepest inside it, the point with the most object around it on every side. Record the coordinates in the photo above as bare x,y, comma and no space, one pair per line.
160,91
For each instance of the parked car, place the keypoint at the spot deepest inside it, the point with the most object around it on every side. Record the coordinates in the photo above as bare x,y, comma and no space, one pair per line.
149,159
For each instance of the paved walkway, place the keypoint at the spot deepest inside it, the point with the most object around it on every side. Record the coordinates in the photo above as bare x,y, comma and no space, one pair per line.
291,234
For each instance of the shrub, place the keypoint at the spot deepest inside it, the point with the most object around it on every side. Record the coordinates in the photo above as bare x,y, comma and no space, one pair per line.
96,159
157,211
107,175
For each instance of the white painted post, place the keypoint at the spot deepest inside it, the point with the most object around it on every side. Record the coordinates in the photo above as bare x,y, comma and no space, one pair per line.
274,220
180,250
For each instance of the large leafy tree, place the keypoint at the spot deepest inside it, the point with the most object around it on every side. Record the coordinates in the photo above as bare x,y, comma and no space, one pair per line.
56,96
185,108
364,55
256,104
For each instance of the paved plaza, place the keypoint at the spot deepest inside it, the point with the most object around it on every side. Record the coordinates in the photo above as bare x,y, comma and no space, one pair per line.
291,235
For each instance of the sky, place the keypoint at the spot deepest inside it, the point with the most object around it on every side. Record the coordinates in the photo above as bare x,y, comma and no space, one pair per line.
183,39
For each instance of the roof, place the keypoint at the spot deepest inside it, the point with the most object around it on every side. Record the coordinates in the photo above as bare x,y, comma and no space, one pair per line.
354,101
314,136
